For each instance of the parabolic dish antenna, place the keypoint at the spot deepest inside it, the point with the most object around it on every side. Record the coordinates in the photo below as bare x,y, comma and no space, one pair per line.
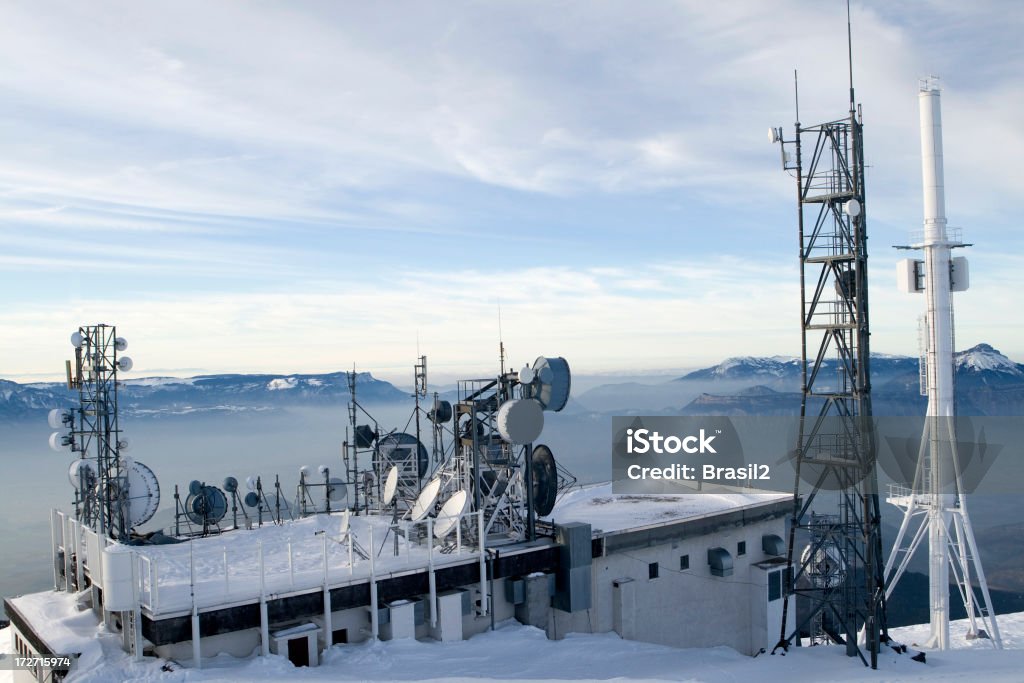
552,382
59,418
399,448
206,507
441,412
252,499
230,484
520,420
545,480
390,486
450,513
77,339
338,491
58,442
143,493
425,501
81,469
195,486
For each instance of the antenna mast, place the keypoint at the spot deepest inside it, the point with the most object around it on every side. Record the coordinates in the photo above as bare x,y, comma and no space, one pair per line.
835,555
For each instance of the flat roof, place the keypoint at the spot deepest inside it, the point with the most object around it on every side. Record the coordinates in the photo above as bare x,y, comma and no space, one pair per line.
614,512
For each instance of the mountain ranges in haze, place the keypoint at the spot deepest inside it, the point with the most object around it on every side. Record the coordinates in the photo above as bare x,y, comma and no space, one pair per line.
988,383
166,396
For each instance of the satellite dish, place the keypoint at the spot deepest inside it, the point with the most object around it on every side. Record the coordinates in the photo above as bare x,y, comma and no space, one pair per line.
441,412
206,507
250,483
552,383
852,208
252,499
304,470
60,442
121,344
397,449
195,486
343,526
322,470
365,436
545,480
143,494
230,484
77,339
81,469
527,375
124,445
425,501
124,364
520,420
390,486
58,418
451,512
338,490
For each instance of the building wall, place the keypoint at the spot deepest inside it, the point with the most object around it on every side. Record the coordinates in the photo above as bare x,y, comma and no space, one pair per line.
682,607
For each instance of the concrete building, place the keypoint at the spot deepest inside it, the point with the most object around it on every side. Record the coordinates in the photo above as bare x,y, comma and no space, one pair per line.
694,570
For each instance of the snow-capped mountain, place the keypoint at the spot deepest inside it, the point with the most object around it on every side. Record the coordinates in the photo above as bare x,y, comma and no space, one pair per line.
155,396
749,367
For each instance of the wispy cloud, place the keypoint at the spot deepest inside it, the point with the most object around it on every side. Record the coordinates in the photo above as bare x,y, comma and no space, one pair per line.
347,172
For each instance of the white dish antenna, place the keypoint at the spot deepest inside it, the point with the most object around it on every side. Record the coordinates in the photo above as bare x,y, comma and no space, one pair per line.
520,420
390,486
60,442
77,339
59,418
81,469
124,364
124,445
121,344
450,514
425,501
143,494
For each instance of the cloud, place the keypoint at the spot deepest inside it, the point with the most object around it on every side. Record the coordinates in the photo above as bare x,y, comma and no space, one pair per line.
355,172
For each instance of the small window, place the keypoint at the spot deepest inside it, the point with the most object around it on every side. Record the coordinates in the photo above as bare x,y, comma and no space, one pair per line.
774,586
684,562
741,548
652,570
339,635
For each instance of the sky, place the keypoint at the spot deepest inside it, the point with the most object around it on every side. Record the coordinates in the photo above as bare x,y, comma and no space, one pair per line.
299,187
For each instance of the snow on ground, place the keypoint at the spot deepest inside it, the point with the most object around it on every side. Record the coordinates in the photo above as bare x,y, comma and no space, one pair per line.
522,653
606,511
514,652
282,383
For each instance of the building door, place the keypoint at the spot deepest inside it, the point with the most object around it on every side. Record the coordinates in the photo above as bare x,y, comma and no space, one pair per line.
298,651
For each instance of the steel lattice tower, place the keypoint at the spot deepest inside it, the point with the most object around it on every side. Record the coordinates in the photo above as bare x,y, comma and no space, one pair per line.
836,558
96,430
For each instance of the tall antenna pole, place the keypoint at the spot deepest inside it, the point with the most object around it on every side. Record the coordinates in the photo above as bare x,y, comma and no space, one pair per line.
849,54
937,502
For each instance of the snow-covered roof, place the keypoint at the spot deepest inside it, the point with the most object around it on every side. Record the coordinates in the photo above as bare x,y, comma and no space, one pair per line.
610,512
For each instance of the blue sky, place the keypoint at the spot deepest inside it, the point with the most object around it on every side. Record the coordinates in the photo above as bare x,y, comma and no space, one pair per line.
296,187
